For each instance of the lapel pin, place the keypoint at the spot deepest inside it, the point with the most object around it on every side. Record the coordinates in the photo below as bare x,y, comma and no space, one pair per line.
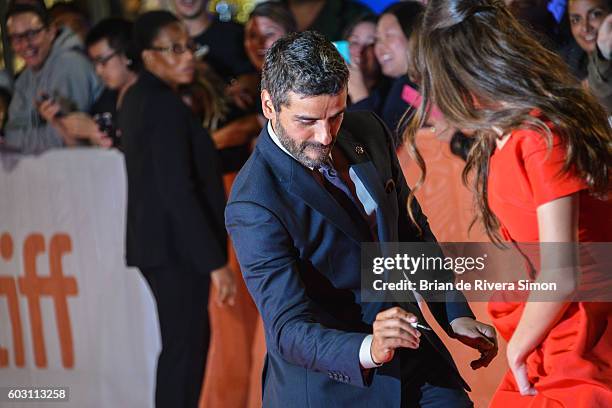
389,186
359,150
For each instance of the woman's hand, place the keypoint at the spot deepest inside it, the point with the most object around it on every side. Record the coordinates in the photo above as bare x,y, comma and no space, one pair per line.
239,94
517,362
237,132
604,37
244,90
557,223
357,89
225,285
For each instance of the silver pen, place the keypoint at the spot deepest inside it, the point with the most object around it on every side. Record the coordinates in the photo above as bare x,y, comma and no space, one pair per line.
420,326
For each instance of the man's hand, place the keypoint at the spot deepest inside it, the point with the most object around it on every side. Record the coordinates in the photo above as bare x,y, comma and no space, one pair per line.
392,330
479,336
604,37
225,284
48,109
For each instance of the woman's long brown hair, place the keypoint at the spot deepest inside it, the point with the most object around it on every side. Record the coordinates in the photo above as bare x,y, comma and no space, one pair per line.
484,71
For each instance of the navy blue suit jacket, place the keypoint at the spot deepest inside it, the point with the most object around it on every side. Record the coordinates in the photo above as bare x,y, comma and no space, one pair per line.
300,257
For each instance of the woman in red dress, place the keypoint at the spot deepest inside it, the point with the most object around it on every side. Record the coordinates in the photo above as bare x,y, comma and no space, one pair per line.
540,167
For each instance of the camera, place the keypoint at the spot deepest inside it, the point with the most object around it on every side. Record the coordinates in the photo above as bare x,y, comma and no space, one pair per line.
104,122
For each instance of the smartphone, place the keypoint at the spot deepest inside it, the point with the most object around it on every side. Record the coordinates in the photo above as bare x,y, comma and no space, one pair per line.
343,49
104,122
43,97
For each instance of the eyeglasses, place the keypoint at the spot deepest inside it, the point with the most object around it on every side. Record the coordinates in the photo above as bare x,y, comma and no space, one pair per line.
177,49
103,60
29,35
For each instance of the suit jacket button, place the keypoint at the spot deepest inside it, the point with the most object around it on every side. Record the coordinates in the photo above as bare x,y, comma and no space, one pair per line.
359,150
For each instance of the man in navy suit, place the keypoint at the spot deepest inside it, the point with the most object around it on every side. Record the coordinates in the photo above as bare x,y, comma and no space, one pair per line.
318,184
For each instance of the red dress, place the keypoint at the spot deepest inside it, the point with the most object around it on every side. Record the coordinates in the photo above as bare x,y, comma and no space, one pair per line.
572,367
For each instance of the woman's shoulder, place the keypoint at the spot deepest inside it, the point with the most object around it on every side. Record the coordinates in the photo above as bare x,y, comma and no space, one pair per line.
149,105
535,138
153,96
542,154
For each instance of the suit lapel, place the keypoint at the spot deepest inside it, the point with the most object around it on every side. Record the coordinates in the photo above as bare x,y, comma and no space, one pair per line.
304,185
386,211
298,180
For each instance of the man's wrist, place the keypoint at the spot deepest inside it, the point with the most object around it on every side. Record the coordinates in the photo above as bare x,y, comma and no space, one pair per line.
365,353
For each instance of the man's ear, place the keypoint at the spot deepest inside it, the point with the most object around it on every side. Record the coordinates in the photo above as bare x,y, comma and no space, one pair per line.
266,105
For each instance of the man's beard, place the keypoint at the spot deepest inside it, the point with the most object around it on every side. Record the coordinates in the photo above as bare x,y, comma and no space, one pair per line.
299,151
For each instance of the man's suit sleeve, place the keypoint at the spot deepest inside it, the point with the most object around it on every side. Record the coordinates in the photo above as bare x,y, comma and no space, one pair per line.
175,177
270,266
455,305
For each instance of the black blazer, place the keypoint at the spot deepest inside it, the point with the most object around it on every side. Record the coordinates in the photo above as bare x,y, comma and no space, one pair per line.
175,192
300,255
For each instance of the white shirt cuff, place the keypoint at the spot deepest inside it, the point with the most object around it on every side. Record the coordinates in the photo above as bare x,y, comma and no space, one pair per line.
365,355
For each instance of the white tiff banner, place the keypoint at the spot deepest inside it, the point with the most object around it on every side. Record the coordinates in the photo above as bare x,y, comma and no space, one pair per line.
72,315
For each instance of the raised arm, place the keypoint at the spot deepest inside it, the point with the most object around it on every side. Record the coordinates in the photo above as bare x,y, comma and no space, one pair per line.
270,266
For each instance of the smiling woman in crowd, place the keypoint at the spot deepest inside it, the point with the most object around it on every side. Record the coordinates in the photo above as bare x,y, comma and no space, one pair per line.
396,34
585,18
367,87
268,22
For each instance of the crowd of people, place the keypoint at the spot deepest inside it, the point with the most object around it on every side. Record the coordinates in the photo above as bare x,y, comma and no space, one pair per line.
226,86
522,95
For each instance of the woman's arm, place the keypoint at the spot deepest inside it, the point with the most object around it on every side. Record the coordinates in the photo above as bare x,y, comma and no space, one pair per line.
237,132
357,88
557,222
